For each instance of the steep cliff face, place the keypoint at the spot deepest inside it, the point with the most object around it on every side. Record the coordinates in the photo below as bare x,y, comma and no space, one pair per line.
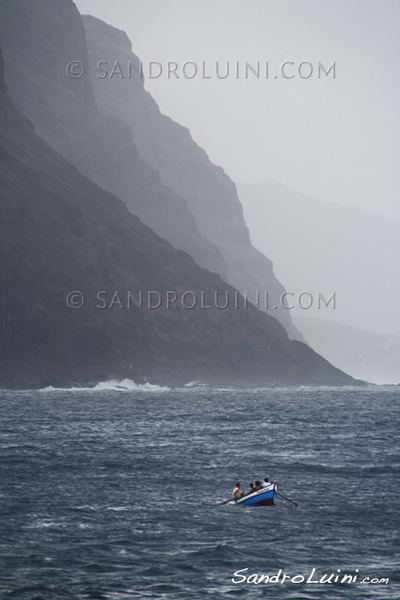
60,233
44,47
170,184
183,166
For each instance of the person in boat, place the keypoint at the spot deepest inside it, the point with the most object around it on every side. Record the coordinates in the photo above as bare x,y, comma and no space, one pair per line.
266,482
257,486
252,488
236,492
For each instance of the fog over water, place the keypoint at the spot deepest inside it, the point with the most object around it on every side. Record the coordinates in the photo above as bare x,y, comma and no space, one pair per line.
334,136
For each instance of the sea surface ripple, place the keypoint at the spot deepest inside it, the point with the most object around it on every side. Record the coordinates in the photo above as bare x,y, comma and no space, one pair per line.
112,493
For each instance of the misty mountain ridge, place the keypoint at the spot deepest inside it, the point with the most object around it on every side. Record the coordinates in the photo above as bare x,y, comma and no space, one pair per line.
364,355
279,188
328,247
65,113
183,166
182,196
61,232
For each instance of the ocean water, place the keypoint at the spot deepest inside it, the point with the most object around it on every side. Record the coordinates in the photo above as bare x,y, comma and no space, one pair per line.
112,493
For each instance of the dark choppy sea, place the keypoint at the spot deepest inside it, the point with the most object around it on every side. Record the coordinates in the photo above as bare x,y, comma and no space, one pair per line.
111,494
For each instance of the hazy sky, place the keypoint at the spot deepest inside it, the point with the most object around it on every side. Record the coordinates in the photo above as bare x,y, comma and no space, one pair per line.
336,138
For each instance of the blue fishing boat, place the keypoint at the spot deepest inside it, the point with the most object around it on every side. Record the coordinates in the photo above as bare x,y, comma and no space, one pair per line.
265,496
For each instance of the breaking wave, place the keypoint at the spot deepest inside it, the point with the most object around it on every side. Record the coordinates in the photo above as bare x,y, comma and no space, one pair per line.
129,384
117,385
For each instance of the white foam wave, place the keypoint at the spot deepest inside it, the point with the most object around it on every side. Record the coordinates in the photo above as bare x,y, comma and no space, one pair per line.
192,384
49,388
128,385
118,385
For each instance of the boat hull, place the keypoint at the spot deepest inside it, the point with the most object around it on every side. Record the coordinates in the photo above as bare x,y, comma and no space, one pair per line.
264,497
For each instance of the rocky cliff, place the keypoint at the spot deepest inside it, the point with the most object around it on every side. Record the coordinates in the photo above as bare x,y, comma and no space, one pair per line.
60,233
40,39
183,166
161,174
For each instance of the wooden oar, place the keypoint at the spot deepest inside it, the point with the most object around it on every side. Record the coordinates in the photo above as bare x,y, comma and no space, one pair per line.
288,499
224,502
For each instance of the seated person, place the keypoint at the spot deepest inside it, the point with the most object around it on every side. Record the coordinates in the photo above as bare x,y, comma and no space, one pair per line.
266,482
236,492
